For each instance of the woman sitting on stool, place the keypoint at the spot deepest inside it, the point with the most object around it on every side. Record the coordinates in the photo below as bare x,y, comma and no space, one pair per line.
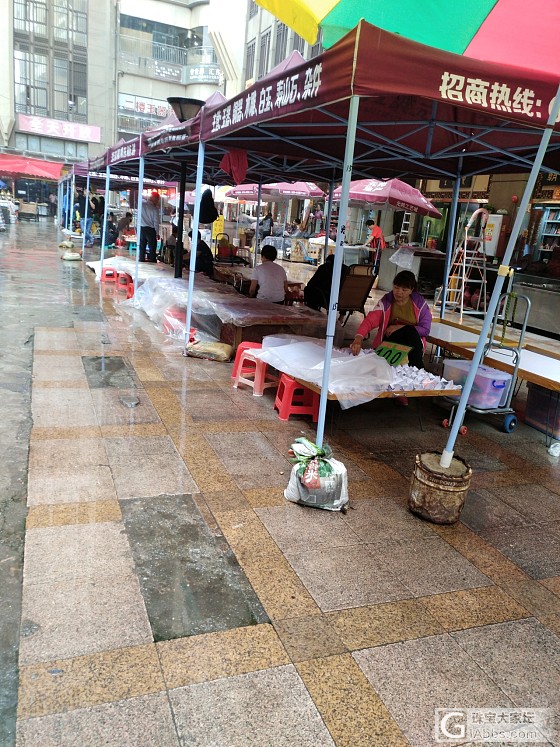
401,316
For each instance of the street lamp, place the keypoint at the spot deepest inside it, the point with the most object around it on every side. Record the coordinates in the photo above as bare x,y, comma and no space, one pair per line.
185,108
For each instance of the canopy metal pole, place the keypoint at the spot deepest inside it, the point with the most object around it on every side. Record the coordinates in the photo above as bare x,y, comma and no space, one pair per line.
194,239
138,219
59,199
84,218
68,209
72,197
105,209
257,232
328,226
450,239
503,272
338,257
178,264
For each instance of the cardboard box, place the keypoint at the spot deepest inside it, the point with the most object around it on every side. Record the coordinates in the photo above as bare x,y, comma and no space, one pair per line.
490,387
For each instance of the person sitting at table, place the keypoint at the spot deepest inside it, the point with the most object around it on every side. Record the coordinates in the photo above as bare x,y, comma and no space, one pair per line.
317,292
269,281
204,257
401,316
123,226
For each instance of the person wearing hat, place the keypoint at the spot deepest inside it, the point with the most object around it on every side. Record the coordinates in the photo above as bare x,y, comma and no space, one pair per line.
149,228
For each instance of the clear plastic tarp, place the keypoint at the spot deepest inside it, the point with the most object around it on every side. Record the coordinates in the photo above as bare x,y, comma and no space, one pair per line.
354,380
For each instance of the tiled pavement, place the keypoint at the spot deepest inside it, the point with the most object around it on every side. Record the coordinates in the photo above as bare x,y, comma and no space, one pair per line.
171,596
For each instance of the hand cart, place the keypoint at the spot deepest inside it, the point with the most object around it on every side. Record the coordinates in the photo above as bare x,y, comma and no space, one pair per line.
509,301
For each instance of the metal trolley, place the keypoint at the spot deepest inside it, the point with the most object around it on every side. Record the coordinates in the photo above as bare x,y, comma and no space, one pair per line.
509,300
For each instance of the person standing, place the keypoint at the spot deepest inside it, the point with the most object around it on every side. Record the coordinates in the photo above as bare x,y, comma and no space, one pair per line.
269,281
149,228
53,200
85,223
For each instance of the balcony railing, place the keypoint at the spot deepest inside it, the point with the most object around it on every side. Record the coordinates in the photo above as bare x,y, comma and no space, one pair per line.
141,47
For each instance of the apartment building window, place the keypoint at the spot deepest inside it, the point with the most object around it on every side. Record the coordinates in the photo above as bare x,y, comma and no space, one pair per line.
69,90
317,48
70,22
250,60
264,53
30,16
31,83
253,8
298,44
281,43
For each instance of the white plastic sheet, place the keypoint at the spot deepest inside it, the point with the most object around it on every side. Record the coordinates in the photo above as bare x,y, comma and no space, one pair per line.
353,379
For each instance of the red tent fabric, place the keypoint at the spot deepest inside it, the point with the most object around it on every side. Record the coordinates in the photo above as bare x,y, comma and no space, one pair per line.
21,166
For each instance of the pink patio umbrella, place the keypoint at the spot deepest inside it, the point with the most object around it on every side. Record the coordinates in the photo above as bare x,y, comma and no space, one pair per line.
393,194
293,190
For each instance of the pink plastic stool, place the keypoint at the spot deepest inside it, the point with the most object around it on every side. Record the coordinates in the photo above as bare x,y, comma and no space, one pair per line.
250,366
109,275
123,280
292,398
254,373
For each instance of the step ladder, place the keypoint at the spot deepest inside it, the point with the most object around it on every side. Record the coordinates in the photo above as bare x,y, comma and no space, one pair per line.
467,271
405,226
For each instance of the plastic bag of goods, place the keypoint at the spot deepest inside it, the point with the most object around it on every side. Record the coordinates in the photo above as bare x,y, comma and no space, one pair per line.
213,351
317,479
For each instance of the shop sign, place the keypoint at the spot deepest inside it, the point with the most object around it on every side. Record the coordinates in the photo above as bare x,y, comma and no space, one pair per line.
142,105
166,71
59,128
203,74
269,98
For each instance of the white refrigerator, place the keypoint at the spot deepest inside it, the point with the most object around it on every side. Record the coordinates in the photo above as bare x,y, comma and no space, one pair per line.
492,234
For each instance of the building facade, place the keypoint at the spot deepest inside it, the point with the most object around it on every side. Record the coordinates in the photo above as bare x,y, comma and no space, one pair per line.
81,74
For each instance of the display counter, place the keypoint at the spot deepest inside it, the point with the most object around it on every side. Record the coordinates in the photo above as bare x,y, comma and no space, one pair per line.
544,294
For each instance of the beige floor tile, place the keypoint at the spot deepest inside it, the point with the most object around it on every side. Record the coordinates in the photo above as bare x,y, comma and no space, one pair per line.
309,637
226,500
352,711
265,497
473,607
67,454
73,513
534,597
63,685
133,429
151,474
486,558
70,485
62,408
73,384
377,625
144,720
503,477
215,655
553,584
45,433
74,618
58,368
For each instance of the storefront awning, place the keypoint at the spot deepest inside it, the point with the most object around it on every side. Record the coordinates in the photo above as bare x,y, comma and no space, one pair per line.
21,166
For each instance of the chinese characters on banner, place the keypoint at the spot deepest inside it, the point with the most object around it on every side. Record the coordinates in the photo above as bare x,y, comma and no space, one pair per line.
58,128
267,98
493,95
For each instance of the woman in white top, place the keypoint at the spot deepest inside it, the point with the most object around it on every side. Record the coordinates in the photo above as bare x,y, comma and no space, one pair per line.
269,281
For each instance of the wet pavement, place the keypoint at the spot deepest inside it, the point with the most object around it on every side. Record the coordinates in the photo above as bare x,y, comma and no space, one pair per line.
169,595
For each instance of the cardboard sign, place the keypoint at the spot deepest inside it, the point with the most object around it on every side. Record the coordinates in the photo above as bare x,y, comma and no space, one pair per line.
395,355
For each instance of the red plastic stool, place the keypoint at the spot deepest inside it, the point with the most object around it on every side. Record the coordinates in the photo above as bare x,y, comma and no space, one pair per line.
109,275
292,398
130,290
123,280
250,365
254,373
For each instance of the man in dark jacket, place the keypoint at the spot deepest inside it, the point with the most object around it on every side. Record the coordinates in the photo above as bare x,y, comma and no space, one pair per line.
317,292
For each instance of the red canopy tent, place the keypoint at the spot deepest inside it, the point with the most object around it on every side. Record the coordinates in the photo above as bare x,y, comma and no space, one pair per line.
20,166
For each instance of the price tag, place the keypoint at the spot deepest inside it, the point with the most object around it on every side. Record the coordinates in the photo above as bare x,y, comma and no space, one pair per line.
395,355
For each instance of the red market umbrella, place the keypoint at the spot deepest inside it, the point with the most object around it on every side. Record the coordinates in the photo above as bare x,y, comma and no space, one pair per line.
484,29
394,194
